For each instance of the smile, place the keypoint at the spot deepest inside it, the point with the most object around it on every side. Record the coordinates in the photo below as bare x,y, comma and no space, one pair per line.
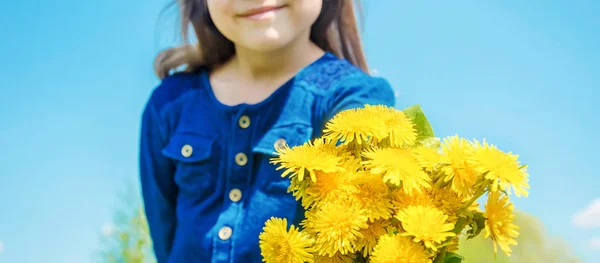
262,13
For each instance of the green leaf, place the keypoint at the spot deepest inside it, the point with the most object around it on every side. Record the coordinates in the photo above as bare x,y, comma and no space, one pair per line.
453,258
417,116
440,257
358,258
460,225
476,225
431,143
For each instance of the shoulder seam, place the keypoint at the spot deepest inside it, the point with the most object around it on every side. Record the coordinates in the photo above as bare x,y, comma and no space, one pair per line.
172,88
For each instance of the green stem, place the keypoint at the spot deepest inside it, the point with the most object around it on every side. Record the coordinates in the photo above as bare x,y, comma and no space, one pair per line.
440,178
439,183
445,244
480,191
357,151
441,256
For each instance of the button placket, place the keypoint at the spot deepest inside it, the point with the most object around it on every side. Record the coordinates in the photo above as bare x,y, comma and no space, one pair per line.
241,159
235,195
244,122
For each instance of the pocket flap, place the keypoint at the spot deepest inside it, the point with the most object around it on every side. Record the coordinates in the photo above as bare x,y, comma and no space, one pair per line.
292,135
189,147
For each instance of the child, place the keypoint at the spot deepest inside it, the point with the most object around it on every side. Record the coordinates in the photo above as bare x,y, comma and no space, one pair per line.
264,74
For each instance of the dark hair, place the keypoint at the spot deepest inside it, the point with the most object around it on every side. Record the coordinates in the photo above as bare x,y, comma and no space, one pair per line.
335,31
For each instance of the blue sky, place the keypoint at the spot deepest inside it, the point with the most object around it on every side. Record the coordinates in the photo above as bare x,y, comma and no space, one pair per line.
76,74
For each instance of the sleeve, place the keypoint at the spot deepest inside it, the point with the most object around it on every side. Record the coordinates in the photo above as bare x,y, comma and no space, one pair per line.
358,91
159,190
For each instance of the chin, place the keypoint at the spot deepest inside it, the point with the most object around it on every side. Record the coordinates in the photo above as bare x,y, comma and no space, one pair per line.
268,42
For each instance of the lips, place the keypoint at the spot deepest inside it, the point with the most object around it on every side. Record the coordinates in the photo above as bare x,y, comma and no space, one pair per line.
261,11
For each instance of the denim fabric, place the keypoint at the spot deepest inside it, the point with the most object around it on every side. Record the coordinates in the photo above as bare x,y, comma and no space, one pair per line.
204,201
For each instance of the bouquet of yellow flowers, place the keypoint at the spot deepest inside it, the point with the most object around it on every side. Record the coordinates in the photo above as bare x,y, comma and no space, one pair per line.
378,186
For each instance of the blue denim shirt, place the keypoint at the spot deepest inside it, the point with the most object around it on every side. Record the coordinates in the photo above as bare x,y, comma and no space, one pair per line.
207,183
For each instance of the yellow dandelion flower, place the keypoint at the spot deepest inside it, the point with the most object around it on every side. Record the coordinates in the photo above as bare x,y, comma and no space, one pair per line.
337,226
337,258
371,235
308,158
453,246
372,196
346,128
475,207
448,201
279,245
427,224
397,126
329,184
503,169
428,158
352,164
307,223
401,200
328,187
396,166
457,155
394,249
298,188
499,222
333,149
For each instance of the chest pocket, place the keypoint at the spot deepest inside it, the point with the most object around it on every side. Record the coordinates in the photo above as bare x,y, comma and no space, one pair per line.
291,135
195,169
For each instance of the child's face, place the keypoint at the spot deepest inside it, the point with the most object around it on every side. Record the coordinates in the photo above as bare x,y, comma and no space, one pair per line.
264,25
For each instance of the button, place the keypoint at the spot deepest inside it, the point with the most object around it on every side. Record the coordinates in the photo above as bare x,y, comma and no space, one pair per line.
186,150
244,122
241,159
279,144
235,195
225,233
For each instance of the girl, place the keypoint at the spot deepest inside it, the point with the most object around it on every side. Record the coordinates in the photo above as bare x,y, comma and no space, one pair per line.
265,73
